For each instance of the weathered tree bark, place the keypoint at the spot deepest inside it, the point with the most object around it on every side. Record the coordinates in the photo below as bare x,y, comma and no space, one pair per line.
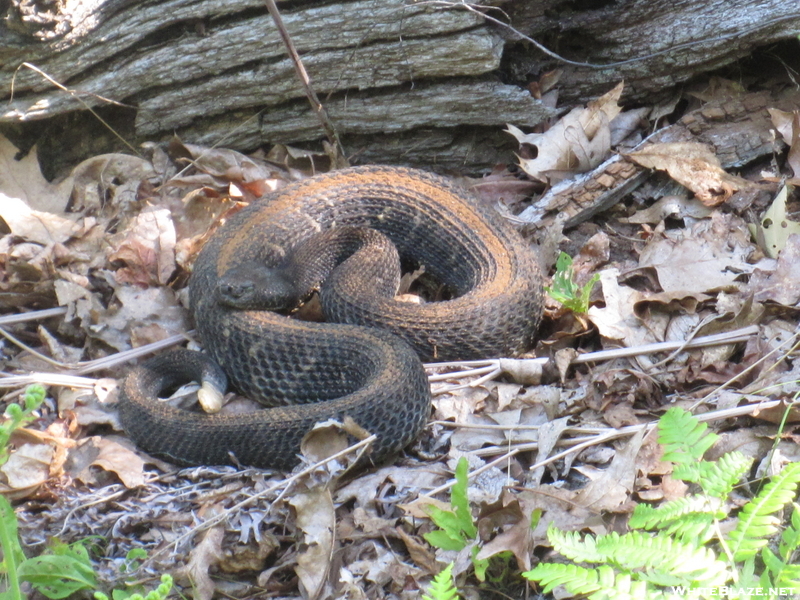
427,83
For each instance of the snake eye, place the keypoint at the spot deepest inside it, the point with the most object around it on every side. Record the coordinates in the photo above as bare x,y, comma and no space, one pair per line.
235,293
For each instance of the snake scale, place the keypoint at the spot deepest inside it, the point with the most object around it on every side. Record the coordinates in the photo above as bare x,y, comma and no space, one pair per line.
331,232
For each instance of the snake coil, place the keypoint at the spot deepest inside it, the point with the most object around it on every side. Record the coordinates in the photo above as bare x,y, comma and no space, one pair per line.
363,363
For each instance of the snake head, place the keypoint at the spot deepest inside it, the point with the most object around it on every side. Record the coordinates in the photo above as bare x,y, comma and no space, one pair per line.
252,286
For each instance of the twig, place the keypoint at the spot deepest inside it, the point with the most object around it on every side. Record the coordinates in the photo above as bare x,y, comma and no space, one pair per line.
611,434
33,315
302,75
488,369
75,94
216,519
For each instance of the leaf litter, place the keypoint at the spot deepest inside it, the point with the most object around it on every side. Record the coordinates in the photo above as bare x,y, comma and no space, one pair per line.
571,438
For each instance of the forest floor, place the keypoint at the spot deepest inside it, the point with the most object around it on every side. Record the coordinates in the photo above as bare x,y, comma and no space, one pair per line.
93,273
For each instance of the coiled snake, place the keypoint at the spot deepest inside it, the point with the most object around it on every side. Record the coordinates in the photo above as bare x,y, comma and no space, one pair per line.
365,361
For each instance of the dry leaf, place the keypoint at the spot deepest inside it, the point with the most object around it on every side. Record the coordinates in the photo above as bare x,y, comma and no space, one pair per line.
788,125
22,179
775,227
615,484
29,466
147,248
694,166
202,558
783,284
317,520
44,228
618,319
575,144
670,206
109,455
108,181
707,257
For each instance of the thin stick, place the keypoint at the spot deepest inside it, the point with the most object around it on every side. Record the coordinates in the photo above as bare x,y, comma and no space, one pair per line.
611,434
302,75
75,94
216,519
33,315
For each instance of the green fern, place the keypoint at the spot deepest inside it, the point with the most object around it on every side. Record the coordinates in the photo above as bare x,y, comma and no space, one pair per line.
638,564
718,478
660,517
442,586
757,521
601,583
790,538
684,438
669,560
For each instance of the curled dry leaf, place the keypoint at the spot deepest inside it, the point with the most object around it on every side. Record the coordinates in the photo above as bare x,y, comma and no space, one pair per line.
225,168
788,125
109,182
575,144
204,557
694,166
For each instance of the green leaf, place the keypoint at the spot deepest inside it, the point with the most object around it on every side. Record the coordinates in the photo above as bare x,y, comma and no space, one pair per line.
57,576
12,550
577,580
571,545
460,502
455,526
566,291
480,565
443,540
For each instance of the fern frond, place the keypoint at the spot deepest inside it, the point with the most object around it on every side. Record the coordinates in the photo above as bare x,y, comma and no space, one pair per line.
577,580
684,438
757,521
718,478
442,586
637,550
571,545
659,517
695,529
784,575
790,538
690,472
596,584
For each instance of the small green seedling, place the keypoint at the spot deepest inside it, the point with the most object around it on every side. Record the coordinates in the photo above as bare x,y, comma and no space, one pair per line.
456,527
566,291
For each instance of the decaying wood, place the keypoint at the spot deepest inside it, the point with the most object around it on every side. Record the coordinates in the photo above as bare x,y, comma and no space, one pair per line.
738,130
386,67
394,74
652,46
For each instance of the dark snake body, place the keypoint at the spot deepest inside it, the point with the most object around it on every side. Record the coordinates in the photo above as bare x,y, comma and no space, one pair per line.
317,371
